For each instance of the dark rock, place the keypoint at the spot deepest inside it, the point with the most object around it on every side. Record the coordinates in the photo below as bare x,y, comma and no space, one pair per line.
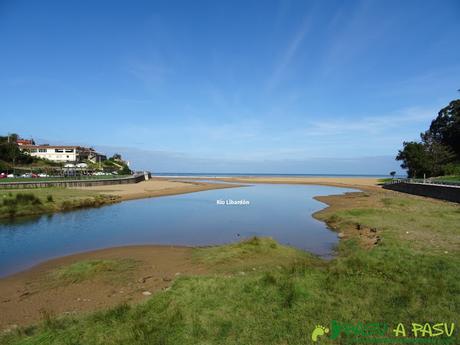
144,279
25,293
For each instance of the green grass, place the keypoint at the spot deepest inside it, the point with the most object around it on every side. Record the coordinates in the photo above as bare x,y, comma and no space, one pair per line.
418,223
47,200
384,180
452,178
260,292
88,269
254,253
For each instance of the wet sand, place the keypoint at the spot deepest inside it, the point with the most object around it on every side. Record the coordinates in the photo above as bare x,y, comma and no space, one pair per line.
162,186
156,187
26,296
349,182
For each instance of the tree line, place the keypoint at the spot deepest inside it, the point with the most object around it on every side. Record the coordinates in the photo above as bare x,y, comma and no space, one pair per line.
438,151
10,155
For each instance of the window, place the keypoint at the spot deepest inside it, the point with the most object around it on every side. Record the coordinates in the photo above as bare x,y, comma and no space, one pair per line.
58,150
69,150
41,150
33,150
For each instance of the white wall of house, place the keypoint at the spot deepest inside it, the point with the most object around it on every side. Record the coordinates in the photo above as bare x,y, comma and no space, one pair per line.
56,154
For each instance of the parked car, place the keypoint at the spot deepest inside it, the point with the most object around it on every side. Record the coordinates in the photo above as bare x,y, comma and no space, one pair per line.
26,175
3,175
43,175
10,175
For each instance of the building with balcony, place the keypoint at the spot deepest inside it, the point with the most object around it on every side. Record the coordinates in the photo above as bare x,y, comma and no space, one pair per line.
53,153
60,153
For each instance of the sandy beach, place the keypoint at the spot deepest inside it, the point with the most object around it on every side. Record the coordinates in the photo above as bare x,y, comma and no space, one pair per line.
155,187
162,186
353,182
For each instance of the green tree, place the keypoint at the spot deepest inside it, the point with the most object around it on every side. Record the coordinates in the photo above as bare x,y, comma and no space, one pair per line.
116,156
438,154
445,129
9,151
4,167
439,150
428,157
13,137
414,158
125,170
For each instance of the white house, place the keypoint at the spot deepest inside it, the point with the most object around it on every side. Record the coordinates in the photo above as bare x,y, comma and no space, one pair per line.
59,153
53,153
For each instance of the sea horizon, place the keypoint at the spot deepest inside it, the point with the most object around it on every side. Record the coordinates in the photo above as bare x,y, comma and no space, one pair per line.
213,174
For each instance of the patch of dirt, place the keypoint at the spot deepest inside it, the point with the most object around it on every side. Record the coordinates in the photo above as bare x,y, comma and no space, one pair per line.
367,237
26,296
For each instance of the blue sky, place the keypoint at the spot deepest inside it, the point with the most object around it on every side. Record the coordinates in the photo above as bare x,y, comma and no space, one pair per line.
230,86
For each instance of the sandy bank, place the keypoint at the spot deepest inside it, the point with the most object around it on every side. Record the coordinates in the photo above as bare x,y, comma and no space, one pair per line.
353,182
155,187
25,296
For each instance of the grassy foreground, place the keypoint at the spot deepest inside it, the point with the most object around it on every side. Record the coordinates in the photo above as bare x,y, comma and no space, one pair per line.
265,293
31,202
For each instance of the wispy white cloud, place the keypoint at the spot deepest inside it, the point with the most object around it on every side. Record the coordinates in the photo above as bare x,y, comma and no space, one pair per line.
351,34
290,52
151,72
252,138
434,81
371,124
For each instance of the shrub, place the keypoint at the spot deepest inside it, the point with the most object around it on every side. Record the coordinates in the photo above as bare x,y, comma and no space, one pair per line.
269,278
125,171
452,169
21,199
27,198
10,202
67,205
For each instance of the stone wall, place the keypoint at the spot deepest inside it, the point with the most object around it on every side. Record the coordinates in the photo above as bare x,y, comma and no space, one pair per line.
138,177
449,193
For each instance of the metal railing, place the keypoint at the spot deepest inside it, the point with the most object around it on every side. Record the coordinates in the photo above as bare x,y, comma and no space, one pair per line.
33,183
429,181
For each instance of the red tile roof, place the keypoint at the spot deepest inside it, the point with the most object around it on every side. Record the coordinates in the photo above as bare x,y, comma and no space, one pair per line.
50,147
24,142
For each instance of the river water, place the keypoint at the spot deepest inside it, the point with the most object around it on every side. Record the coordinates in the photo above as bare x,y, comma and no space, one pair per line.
283,212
